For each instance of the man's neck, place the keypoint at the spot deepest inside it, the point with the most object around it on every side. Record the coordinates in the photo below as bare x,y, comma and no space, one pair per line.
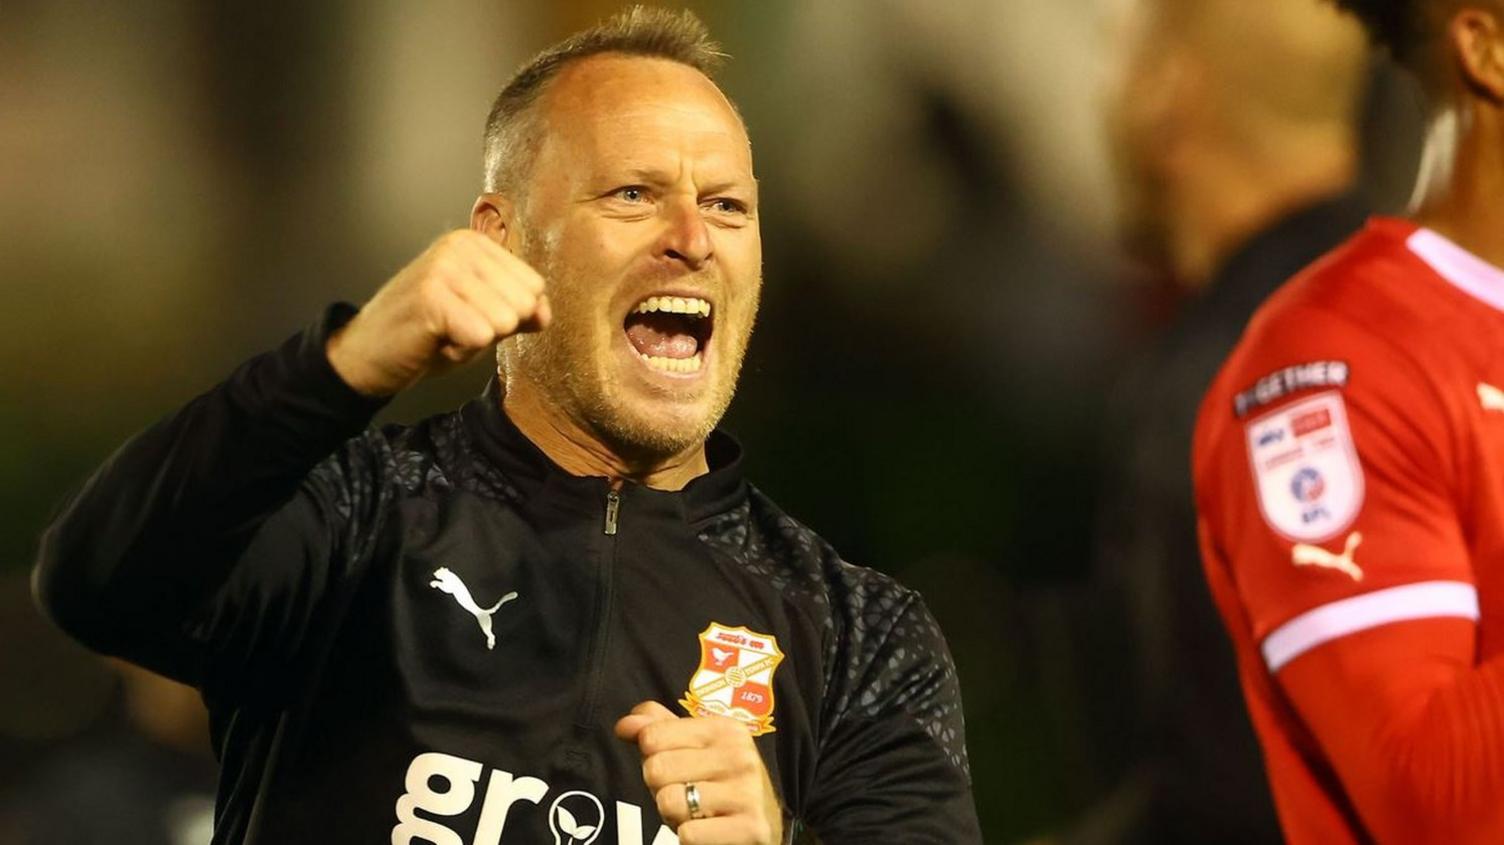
1460,193
578,452
1231,201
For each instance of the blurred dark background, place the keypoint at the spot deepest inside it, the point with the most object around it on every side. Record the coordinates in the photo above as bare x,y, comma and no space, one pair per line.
947,309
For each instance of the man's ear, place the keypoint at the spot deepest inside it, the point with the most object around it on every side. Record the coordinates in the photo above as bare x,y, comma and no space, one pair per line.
1478,35
495,216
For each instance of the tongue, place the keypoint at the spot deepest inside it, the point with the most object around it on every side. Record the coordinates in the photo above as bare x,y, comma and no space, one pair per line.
661,336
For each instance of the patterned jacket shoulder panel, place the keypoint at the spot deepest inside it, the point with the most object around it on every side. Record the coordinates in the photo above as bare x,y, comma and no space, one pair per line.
370,473
884,652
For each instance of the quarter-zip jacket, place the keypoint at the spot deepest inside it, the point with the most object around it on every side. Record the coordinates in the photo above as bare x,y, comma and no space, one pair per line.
426,633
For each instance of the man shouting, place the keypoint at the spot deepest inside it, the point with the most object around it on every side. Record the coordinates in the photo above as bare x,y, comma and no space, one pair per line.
559,613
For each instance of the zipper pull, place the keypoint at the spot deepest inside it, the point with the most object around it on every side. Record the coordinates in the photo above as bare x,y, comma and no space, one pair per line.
613,504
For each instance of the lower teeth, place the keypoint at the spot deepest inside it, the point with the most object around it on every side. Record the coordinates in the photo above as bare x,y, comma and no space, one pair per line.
675,365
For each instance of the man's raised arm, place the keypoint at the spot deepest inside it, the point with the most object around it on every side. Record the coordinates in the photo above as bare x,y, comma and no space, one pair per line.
226,481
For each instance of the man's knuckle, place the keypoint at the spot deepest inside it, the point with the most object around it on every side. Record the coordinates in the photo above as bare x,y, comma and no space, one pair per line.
437,282
528,302
749,797
748,828
664,799
653,772
455,238
469,336
651,739
745,761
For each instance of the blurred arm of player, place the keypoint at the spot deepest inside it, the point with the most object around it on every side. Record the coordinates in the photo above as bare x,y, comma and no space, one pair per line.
1370,634
1413,727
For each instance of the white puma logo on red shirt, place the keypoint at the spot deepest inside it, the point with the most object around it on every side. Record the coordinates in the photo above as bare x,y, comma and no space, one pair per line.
1304,555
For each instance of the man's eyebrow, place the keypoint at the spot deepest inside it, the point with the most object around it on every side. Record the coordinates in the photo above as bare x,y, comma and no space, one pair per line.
648,175
734,185
658,176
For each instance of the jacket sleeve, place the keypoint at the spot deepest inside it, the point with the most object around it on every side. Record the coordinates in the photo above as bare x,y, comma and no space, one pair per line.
208,537
892,756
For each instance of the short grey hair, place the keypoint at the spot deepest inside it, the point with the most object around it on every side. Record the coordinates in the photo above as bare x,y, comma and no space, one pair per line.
513,135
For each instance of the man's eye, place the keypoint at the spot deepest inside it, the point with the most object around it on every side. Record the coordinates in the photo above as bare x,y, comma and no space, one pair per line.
727,206
634,193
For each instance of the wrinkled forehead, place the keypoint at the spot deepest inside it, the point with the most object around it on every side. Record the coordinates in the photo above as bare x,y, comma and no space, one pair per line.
613,106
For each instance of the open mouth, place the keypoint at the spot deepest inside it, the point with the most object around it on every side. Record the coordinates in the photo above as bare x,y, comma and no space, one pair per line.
670,333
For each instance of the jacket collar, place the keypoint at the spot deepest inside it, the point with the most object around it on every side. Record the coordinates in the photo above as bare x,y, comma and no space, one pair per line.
536,475
1270,257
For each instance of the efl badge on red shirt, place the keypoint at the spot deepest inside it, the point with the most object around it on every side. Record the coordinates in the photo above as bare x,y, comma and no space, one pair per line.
1306,469
735,677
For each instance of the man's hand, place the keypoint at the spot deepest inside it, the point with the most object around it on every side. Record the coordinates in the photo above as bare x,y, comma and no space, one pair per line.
463,295
716,754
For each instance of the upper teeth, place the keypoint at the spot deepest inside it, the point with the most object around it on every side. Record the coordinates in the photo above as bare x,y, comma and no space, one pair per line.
673,305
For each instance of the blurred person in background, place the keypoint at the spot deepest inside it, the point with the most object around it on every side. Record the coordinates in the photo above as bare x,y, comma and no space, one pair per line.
1235,132
318,588
1349,471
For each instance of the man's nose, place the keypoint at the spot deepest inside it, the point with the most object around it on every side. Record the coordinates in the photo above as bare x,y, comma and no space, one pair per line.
686,238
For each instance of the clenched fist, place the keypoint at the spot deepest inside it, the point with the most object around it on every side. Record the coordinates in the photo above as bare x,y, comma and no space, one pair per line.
737,804
463,295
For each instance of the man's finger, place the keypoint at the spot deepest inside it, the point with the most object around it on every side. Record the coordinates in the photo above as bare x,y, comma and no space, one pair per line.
739,829
542,316
653,709
466,328
667,735
500,256
501,271
716,799
504,312
630,726
685,765
507,284
512,265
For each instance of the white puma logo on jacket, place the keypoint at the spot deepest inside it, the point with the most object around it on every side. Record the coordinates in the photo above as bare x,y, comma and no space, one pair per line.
445,580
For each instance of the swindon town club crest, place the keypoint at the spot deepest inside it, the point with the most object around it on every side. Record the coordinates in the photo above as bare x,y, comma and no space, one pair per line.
735,677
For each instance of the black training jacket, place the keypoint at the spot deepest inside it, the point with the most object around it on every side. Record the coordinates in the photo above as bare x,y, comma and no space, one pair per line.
424,634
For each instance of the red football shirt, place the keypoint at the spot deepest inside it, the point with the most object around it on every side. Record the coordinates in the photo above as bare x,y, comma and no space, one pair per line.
1349,470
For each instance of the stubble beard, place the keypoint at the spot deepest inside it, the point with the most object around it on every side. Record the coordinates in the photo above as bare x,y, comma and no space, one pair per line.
562,365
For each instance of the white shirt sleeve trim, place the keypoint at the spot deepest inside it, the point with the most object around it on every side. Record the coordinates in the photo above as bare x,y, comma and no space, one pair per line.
1423,600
